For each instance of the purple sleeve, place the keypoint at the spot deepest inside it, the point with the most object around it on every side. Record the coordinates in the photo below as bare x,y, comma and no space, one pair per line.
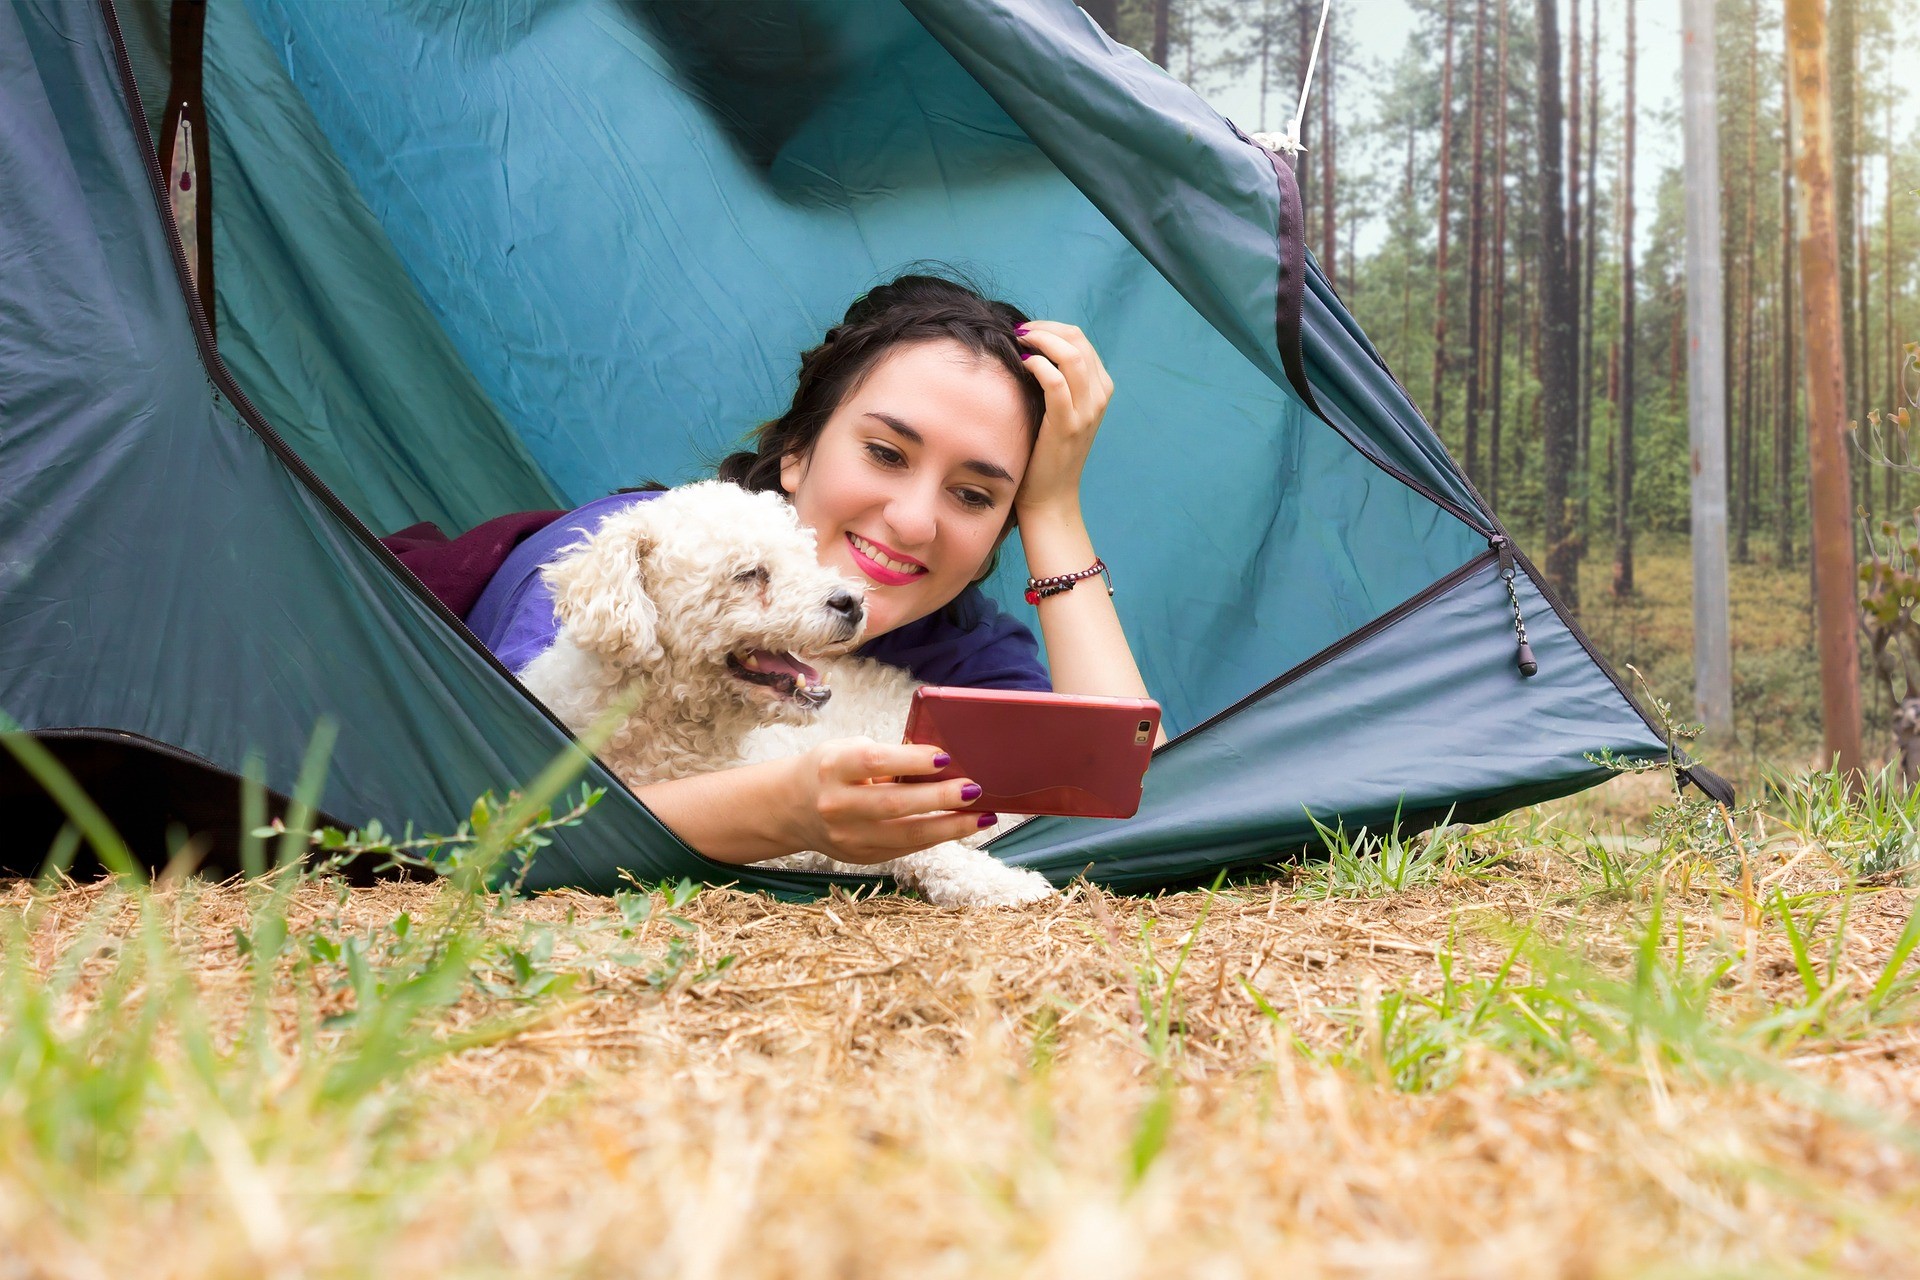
525,627
514,615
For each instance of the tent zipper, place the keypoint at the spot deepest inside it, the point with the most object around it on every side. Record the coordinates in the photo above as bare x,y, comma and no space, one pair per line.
1524,657
1713,785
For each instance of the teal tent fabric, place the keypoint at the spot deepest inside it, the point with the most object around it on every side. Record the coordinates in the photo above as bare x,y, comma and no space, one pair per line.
473,259
631,283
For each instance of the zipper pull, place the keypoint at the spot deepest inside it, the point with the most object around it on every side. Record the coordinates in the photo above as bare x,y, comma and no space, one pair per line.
1524,657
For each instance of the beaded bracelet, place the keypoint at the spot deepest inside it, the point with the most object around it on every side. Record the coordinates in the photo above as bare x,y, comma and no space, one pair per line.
1039,589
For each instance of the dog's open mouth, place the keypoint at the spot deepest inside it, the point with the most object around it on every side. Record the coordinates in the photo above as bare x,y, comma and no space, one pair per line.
784,674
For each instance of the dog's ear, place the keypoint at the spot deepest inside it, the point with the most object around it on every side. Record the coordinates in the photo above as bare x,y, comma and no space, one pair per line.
600,592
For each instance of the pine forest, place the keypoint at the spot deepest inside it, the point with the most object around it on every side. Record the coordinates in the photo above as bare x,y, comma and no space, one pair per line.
1497,189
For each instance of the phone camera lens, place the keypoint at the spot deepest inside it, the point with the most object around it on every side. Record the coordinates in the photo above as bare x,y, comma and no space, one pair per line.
1145,726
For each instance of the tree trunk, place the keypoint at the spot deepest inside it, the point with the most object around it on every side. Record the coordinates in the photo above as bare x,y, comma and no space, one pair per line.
1440,261
1406,260
1865,277
1328,230
1841,82
1891,401
1574,70
1784,407
1476,237
1743,499
1588,270
1557,372
1304,14
1706,365
1529,361
1581,421
1623,449
1819,251
1161,13
1499,303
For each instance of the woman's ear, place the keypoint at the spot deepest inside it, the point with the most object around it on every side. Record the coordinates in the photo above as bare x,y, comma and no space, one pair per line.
600,592
793,467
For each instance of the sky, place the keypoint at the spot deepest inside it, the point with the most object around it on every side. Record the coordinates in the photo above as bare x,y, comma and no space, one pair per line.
1383,28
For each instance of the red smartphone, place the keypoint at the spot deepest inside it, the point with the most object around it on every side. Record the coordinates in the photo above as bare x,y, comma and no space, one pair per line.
1054,753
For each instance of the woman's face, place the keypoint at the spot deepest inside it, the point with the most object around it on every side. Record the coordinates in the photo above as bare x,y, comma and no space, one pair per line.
912,479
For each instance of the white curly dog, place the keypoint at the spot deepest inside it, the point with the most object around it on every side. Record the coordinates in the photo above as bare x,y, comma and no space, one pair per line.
695,607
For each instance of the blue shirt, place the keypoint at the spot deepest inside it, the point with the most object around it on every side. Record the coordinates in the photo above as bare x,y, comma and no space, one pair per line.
979,647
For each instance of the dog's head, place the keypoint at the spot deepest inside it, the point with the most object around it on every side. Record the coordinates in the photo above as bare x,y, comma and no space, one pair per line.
710,586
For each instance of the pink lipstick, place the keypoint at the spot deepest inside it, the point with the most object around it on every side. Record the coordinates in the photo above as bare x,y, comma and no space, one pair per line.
880,573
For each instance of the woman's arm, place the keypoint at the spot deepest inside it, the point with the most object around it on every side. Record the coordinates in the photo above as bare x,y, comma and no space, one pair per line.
1087,651
842,798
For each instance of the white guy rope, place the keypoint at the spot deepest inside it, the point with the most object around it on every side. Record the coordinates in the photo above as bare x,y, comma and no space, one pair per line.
1289,141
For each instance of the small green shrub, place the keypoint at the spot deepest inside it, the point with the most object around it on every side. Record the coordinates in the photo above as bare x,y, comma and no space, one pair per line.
1366,865
1869,823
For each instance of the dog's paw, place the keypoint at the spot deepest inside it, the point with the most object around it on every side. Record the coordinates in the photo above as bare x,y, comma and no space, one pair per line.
952,875
1023,887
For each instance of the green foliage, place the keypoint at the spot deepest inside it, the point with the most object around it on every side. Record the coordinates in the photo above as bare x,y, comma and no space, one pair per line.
1869,823
1690,831
1565,1017
1162,1029
1367,865
458,853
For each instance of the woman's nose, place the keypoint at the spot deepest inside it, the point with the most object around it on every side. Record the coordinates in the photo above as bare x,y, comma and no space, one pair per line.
910,517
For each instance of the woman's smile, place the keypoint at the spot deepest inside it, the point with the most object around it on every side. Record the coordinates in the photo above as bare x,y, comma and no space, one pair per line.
883,564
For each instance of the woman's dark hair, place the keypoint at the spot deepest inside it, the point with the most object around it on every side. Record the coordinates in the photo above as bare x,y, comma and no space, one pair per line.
911,309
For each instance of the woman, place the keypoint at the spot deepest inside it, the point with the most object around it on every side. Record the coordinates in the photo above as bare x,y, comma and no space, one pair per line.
924,425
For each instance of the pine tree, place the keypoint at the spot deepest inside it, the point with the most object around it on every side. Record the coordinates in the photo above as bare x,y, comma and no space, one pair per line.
1476,236
1440,263
1556,323
1623,447
1783,434
1750,208
1499,301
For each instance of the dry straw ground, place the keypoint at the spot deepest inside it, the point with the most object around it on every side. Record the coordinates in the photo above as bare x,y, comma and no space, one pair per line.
1544,1054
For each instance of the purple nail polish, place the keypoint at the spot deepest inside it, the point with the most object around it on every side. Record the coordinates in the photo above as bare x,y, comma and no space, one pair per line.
1024,355
988,819
970,793
1021,331
942,760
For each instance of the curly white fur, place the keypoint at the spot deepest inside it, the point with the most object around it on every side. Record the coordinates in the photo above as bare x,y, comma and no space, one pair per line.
650,607
653,602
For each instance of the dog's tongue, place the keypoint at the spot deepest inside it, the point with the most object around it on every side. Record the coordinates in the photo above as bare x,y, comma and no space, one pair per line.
766,660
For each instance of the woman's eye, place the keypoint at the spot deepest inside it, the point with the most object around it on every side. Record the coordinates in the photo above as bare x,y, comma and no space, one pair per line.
974,499
884,456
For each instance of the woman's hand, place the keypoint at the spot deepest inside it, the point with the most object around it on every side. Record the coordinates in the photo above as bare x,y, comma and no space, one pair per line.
851,803
1077,388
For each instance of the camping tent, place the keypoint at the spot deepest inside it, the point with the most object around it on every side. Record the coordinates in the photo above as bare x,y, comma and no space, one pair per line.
473,259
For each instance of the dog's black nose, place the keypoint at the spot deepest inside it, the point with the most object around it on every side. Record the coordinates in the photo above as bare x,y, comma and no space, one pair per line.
846,604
